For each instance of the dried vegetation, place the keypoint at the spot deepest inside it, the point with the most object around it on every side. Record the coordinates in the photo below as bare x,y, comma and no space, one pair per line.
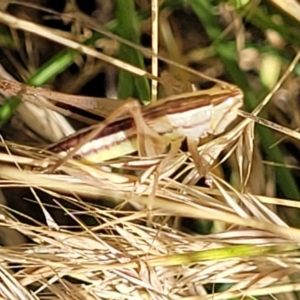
84,231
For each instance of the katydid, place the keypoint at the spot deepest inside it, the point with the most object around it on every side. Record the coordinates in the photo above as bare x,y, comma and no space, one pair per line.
150,129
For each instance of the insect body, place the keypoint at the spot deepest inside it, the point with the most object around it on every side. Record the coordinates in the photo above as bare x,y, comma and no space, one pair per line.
191,115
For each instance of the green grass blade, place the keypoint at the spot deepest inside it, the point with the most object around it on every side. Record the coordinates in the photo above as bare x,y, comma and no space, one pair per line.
129,85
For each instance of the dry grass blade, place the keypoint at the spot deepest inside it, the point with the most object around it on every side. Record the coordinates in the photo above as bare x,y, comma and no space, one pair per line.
12,288
124,187
59,37
62,250
291,7
60,253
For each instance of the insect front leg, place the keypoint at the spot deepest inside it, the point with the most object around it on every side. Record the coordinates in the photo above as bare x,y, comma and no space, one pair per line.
200,162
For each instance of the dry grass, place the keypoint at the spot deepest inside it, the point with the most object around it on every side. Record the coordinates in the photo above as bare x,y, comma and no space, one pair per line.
111,253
